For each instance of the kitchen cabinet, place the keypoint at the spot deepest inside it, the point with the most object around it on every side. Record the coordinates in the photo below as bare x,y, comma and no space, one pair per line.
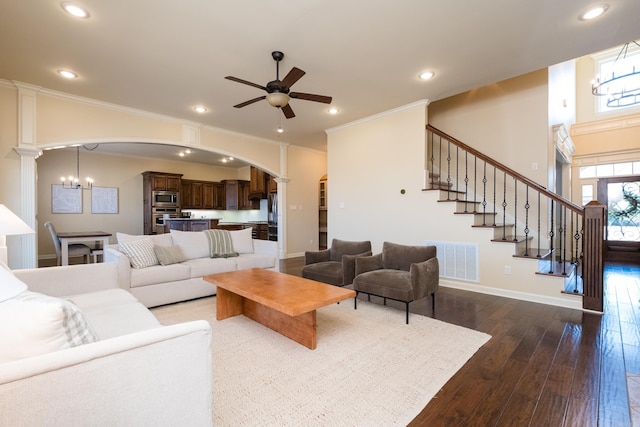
237,195
156,181
259,184
160,181
207,195
273,185
219,196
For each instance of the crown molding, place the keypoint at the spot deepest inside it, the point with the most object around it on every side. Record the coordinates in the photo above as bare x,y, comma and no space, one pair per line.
421,103
606,125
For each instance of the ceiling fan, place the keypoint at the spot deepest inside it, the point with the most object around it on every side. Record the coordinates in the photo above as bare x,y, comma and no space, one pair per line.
278,94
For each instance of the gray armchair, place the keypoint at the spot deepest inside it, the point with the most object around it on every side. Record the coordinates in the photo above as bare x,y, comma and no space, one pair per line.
401,273
336,265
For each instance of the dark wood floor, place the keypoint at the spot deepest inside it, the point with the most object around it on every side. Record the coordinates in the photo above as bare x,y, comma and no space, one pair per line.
544,365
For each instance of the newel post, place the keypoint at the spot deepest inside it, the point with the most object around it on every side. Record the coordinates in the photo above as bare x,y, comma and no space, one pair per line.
593,261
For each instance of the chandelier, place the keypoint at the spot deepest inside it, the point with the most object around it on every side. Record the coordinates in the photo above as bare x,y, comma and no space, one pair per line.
622,86
73,182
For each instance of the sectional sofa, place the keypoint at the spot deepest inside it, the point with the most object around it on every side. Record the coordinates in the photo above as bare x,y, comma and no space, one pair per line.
182,258
76,350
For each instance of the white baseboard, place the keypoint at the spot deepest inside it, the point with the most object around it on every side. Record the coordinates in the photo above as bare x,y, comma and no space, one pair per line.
573,302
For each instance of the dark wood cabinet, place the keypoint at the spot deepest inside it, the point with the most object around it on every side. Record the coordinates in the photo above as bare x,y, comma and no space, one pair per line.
185,194
258,184
207,195
231,192
273,185
219,196
156,181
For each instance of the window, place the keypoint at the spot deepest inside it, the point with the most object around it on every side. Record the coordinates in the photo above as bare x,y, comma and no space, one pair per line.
587,194
610,169
614,63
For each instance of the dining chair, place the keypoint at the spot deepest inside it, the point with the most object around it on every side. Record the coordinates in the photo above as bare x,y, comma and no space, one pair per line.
75,249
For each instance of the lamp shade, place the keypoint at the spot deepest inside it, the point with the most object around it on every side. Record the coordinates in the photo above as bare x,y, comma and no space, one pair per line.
278,99
11,224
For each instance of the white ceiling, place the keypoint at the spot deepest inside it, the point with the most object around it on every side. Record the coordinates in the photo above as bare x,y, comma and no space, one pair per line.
167,56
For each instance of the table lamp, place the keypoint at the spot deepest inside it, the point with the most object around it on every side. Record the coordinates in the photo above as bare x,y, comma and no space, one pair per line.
10,224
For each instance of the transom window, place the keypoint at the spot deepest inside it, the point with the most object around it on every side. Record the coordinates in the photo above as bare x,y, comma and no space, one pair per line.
611,169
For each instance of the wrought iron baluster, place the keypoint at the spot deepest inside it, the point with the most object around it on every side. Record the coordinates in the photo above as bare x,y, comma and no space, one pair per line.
504,207
433,158
457,170
495,207
526,223
551,234
448,170
466,180
515,210
484,195
475,181
539,227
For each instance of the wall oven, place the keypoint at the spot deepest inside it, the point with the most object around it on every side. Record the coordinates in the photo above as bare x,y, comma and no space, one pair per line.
167,199
159,214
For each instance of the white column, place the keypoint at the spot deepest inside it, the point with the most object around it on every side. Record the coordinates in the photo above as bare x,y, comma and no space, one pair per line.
282,201
27,248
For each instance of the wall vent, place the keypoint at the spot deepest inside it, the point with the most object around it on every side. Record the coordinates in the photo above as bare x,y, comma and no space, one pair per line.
457,260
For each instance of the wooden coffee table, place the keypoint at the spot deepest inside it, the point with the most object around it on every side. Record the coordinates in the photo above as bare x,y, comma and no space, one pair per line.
287,304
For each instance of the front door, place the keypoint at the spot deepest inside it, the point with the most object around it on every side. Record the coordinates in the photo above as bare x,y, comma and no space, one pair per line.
621,195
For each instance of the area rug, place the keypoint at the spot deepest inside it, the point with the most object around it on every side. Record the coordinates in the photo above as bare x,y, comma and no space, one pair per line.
369,367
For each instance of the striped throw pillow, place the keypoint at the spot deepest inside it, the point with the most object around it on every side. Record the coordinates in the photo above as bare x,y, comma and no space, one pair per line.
140,253
220,244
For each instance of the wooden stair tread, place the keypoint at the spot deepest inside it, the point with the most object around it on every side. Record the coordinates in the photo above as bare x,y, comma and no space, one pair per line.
555,268
512,239
533,254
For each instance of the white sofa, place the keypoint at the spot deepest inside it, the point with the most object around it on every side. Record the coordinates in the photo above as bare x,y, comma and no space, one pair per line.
164,284
137,373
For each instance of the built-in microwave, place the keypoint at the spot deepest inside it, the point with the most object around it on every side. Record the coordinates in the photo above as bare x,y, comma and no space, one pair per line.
169,199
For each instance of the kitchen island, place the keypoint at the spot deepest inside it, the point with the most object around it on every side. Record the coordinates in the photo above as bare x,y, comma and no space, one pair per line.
190,224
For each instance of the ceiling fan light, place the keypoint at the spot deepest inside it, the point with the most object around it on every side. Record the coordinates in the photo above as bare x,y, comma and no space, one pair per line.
278,99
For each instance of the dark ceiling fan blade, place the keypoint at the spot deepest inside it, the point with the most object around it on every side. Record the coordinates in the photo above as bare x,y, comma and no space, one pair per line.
235,79
288,112
251,101
294,75
311,97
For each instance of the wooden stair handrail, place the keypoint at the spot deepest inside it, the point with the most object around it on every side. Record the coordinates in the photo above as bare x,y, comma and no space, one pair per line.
567,203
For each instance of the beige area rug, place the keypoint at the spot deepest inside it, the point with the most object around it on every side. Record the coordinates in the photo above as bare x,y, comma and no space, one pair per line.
369,367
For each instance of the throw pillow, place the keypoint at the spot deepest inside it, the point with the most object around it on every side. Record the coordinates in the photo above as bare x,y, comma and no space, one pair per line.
194,244
140,253
168,255
242,240
220,243
33,324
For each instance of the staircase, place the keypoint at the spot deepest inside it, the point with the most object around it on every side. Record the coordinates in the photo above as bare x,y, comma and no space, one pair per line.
565,239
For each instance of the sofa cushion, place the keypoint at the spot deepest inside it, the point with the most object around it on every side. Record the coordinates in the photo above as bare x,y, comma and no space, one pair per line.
202,266
102,298
33,323
140,253
120,319
394,284
158,239
159,274
220,244
194,244
168,255
242,240
246,261
10,285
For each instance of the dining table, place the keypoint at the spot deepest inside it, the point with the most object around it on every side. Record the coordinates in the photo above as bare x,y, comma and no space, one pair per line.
68,237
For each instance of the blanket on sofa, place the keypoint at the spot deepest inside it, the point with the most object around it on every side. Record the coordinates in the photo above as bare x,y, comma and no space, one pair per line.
220,243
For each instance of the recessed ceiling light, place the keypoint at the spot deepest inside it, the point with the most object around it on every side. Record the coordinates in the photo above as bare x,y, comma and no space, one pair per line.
200,109
67,74
280,130
74,9
594,12
427,75
181,154
187,151
333,110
